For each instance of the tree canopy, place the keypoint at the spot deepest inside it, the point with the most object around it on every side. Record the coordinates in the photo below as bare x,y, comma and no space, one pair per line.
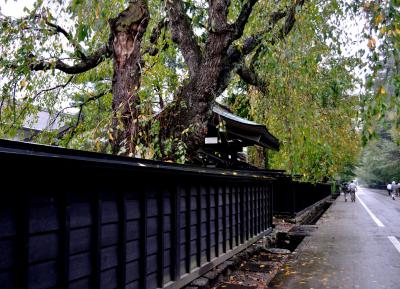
382,98
379,162
309,101
143,58
139,78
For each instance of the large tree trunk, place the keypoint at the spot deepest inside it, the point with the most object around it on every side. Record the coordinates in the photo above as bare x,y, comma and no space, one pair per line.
193,101
210,68
192,108
185,120
258,156
126,36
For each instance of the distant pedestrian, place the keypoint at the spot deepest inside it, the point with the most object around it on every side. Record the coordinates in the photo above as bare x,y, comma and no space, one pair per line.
389,189
345,189
353,189
393,191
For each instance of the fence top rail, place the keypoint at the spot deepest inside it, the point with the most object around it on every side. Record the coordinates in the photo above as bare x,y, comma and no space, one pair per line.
36,152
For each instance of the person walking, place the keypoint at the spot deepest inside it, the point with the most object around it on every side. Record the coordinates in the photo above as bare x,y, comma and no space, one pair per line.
389,189
345,190
394,188
353,189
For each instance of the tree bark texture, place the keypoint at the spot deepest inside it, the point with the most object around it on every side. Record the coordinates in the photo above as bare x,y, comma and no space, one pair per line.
211,70
127,31
258,156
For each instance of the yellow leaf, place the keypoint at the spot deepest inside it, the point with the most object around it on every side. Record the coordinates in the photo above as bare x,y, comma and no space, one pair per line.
378,19
150,153
185,131
97,144
382,90
371,43
110,136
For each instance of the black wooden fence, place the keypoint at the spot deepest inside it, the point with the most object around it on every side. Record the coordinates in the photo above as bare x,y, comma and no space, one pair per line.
71,219
290,198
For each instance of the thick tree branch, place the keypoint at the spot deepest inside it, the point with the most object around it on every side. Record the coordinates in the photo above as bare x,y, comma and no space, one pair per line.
253,41
235,55
217,16
250,77
90,62
54,28
243,18
183,36
152,49
290,19
156,32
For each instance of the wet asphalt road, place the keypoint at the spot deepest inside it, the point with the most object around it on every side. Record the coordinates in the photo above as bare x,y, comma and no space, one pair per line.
354,247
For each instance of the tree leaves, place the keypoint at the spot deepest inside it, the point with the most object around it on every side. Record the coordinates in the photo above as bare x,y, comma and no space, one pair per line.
308,104
82,32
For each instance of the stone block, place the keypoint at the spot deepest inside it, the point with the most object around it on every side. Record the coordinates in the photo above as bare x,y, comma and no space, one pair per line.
201,283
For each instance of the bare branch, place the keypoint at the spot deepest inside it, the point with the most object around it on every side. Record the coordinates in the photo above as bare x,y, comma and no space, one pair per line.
23,110
78,120
73,127
90,62
59,29
182,34
90,99
54,29
64,85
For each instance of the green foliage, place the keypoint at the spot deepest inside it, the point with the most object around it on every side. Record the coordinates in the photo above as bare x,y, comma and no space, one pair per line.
309,104
380,162
381,101
66,98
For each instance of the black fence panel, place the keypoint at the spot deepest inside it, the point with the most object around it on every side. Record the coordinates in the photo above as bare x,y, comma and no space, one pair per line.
72,219
293,197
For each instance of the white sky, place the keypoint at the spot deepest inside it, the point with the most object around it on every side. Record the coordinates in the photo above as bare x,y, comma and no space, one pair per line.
15,8
353,27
